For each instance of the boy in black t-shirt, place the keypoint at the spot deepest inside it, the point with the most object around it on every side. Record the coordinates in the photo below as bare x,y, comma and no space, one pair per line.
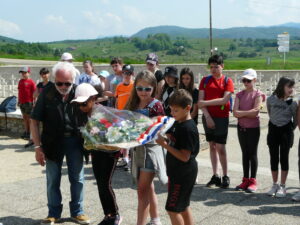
182,167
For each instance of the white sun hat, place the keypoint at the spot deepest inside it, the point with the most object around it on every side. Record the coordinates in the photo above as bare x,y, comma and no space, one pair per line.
83,92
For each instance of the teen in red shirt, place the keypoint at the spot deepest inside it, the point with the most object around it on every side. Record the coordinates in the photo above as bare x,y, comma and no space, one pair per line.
214,101
26,89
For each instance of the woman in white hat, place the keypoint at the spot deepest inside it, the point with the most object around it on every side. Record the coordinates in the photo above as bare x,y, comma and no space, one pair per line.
104,163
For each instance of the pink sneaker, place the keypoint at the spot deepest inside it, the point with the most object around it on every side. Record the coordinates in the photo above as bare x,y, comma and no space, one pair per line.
252,185
244,185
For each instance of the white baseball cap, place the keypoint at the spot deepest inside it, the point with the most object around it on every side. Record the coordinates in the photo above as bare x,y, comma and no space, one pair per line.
66,56
249,74
83,92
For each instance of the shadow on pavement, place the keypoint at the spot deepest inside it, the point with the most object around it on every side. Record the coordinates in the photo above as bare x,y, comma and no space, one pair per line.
14,220
213,197
263,210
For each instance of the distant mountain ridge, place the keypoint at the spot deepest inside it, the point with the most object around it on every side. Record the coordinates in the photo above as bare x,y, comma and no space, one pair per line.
9,40
269,32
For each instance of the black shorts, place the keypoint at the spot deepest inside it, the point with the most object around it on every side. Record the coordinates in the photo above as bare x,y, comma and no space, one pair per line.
180,190
219,134
26,108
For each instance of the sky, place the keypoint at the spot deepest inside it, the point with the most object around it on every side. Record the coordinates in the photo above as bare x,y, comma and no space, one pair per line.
53,20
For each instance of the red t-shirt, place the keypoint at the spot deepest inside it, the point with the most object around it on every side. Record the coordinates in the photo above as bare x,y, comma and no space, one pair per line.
215,88
26,89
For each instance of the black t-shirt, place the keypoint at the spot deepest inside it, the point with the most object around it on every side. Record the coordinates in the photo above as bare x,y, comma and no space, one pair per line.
40,86
159,76
185,136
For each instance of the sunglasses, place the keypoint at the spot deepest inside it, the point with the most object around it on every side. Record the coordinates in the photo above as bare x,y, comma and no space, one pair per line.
127,73
246,81
147,89
59,84
83,104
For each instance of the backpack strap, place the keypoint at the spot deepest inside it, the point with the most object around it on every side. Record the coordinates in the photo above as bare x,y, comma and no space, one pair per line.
206,79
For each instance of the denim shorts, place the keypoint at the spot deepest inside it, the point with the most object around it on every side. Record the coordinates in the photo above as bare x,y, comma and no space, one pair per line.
149,166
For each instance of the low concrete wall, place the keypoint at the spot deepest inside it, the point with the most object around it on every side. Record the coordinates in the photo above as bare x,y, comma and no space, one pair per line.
14,122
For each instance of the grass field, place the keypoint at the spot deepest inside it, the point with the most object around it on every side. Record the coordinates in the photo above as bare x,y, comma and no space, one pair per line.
102,50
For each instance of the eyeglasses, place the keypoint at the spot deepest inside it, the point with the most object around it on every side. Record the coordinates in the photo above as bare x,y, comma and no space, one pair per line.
147,89
83,104
246,81
59,84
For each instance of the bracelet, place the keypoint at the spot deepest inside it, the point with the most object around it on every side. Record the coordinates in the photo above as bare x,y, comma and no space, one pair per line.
38,146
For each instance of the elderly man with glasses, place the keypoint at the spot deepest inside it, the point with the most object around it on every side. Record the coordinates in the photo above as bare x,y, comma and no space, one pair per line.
60,137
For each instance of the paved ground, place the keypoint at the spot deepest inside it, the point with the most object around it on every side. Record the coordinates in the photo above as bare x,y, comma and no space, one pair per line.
23,190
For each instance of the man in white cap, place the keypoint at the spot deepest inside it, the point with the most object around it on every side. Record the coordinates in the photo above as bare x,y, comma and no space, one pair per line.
67,57
60,137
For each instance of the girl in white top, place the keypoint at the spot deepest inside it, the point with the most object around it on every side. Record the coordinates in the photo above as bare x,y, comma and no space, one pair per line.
89,75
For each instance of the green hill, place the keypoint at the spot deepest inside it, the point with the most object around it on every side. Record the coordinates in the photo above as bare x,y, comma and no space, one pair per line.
9,40
242,47
232,33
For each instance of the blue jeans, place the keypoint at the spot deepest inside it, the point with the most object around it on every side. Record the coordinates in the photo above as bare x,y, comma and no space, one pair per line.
72,149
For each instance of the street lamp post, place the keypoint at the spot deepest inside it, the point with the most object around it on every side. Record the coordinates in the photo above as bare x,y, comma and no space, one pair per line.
210,29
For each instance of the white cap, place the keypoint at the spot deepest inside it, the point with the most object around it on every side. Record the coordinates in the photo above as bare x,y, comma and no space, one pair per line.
249,74
83,92
66,56
104,73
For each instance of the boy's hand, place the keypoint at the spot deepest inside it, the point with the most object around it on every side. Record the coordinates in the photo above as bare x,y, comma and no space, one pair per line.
210,123
161,141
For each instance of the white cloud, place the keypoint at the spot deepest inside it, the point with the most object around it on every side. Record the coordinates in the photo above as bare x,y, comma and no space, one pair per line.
8,28
55,19
103,24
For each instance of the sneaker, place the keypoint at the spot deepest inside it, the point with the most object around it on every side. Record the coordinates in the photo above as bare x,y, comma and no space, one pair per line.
296,197
50,221
122,164
252,187
281,192
244,185
111,220
154,222
225,182
30,143
273,190
81,219
214,181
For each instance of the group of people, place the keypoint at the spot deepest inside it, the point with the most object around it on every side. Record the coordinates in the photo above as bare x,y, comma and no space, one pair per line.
66,104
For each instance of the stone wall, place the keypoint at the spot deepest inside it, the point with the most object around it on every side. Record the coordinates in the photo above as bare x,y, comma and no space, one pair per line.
14,124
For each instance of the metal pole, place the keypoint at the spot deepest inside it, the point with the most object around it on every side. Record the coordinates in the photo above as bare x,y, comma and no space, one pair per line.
210,28
284,58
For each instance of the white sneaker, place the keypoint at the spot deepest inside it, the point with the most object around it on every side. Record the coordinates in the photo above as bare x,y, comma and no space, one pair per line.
296,197
122,163
281,192
154,223
273,190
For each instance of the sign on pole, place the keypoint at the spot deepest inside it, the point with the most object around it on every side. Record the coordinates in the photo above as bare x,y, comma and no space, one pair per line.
283,41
